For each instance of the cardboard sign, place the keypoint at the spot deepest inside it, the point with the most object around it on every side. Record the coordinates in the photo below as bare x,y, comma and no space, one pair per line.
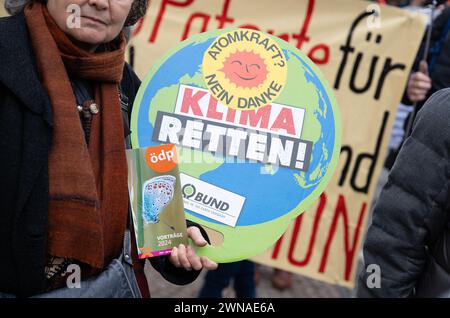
257,130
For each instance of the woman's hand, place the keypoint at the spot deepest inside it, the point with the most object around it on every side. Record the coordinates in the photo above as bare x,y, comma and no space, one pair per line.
184,256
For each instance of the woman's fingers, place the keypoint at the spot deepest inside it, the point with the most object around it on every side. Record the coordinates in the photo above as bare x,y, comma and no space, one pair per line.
174,257
208,264
185,256
182,256
196,236
194,259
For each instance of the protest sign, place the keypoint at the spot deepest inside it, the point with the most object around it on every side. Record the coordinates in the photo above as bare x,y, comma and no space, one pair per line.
257,130
366,52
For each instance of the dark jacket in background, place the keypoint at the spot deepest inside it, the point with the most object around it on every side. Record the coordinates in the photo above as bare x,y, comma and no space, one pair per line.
438,57
411,214
25,138
439,69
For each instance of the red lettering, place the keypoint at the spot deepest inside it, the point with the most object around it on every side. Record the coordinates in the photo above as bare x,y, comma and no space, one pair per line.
312,239
191,102
277,248
224,18
284,121
162,11
194,16
326,54
231,115
212,110
341,211
260,116
303,35
319,54
249,26
349,249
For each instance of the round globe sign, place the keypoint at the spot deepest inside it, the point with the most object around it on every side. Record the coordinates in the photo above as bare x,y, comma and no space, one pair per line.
257,131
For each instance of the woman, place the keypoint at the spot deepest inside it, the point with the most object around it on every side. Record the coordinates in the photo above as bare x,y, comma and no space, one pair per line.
406,252
65,102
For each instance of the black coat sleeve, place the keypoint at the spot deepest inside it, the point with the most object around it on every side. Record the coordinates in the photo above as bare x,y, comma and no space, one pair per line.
411,210
178,276
130,85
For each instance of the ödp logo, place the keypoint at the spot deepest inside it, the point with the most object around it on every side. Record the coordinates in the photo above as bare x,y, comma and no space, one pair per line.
162,161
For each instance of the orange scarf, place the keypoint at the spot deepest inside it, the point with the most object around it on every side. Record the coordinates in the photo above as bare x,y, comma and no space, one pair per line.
88,184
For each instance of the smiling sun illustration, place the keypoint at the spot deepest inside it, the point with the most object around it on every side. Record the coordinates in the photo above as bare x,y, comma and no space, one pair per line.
245,69
241,68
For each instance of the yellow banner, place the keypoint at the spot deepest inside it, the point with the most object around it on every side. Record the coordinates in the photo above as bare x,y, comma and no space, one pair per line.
3,12
366,53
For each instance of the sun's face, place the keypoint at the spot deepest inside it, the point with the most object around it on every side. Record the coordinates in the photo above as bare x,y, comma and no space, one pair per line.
245,69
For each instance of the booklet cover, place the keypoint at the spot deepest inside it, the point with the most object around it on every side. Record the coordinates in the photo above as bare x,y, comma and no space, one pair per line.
156,200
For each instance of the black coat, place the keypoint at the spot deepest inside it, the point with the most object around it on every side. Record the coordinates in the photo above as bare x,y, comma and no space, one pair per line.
25,137
410,217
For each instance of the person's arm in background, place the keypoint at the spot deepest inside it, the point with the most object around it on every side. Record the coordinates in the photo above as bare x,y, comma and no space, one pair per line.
412,205
173,267
420,82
